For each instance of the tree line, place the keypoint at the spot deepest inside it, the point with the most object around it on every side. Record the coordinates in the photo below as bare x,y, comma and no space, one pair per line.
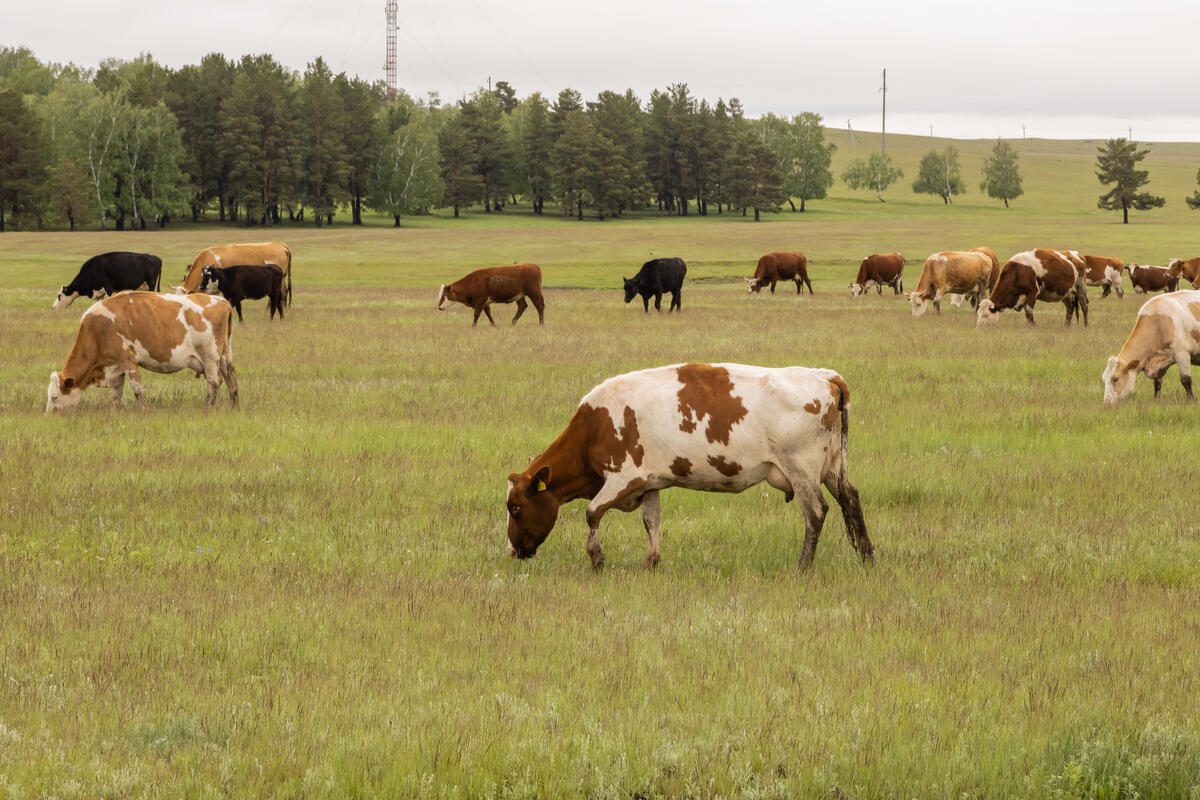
133,144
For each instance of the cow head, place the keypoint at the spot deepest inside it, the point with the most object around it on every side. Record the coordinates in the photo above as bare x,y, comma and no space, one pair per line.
754,285
986,314
532,512
62,393
857,289
1118,379
207,276
630,289
918,303
446,294
64,299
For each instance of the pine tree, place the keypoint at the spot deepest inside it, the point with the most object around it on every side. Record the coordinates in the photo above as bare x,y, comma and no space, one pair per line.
537,149
574,163
875,173
22,155
755,181
462,183
1001,175
323,141
1116,163
940,174
1194,201
481,118
361,138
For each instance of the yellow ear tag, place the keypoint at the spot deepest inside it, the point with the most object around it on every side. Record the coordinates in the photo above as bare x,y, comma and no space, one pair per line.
541,486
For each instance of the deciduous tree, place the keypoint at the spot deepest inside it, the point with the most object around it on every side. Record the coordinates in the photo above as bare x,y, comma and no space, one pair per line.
940,174
876,174
1001,173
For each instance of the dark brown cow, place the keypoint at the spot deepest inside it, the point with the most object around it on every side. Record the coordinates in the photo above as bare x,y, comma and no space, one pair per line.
1189,268
774,267
489,285
1146,279
880,269
1036,275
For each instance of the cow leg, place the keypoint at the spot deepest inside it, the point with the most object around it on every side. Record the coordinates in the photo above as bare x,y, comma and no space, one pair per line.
117,382
1158,380
475,319
937,301
1184,360
676,302
658,302
237,306
487,309
135,382
813,506
539,305
879,289
212,375
651,508
617,492
1081,304
772,287
799,285
646,303
229,375
808,283
521,304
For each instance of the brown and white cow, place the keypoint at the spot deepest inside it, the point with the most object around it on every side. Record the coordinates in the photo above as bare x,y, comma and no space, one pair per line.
1146,278
711,427
1034,275
952,272
481,288
1187,268
1102,271
161,332
230,255
775,267
1166,332
881,269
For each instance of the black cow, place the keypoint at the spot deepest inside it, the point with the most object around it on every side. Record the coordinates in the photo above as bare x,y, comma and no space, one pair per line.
657,277
109,273
249,282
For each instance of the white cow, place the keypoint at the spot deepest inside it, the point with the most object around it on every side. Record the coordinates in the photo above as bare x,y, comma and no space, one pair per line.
161,332
1166,332
712,427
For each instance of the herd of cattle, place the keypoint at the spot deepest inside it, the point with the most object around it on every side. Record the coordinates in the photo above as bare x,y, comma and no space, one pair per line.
716,427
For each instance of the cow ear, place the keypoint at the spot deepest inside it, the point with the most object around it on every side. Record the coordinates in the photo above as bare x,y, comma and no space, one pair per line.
540,480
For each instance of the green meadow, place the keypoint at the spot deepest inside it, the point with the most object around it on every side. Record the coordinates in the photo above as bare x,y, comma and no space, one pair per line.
310,597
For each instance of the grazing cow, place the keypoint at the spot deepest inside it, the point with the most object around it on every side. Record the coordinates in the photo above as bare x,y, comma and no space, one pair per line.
490,285
228,255
712,427
1146,279
109,273
1166,332
1189,269
774,267
882,269
656,278
247,282
952,272
1102,271
1036,275
161,332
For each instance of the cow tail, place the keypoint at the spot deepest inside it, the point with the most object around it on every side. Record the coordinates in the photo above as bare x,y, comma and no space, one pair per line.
289,275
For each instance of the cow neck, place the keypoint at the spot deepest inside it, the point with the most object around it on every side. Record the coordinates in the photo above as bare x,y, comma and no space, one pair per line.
571,478
1141,345
83,363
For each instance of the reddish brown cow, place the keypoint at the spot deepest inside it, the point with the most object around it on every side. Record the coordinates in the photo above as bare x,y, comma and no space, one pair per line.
1189,268
1036,275
774,267
880,269
489,285
1146,279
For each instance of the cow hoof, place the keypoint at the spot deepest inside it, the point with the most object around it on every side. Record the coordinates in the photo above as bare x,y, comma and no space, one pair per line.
652,561
597,561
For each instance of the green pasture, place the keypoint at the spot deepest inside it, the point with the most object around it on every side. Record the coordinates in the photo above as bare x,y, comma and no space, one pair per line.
310,597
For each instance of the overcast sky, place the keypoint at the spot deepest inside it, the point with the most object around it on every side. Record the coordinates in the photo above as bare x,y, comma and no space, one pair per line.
1064,69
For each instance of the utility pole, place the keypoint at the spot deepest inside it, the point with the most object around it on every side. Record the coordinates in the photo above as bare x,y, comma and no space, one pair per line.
883,126
850,133
931,131
390,9
1022,131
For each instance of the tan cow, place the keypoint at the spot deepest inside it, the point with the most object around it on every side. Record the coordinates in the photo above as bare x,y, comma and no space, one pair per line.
952,272
1146,278
161,332
1034,275
1166,332
711,427
481,288
1102,271
232,255
1189,268
881,269
775,267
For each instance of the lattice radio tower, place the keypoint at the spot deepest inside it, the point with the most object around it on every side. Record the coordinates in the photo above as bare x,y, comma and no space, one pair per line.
390,8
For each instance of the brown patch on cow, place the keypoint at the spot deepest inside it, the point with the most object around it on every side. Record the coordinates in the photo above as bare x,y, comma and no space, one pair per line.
1133,364
681,467
610,448
830,417
1195,309
163,316
813,406
707,391
726,468
193,319
840,391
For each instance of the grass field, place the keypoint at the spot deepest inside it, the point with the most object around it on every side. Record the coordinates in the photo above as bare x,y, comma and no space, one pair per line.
310,597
